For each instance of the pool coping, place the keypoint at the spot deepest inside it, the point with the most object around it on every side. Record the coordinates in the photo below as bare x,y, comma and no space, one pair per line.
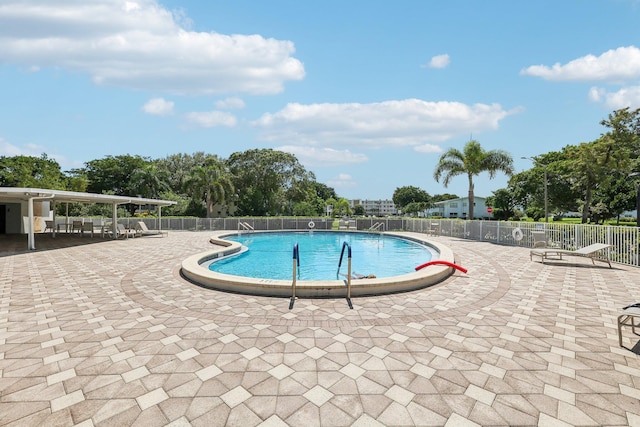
192,269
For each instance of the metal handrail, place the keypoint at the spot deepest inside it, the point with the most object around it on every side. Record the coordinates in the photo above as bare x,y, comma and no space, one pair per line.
344,245
348,246
377,226
245,226
296,269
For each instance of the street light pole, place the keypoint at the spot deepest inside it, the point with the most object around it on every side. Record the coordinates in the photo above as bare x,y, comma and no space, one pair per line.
546,198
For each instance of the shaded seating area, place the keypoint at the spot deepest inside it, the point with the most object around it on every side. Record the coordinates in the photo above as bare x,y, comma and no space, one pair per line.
24,209
142,230
595,252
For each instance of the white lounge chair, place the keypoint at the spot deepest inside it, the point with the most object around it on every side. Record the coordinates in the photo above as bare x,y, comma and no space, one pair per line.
627,318
596,252
142,230
121,232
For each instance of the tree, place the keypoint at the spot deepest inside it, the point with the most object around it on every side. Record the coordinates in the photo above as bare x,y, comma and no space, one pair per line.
359,210
442,197
503,204
403,196
341,207
616,194
32,172
624,125
415,207
149,180
589,164
268,181
323,191
472,161
177,168
112,174
212,181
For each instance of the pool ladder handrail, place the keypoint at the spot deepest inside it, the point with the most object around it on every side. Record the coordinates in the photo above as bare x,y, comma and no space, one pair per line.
245,226
348,246
296,269
377,226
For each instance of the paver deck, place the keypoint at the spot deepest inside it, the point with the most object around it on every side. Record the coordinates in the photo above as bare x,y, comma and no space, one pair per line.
99,333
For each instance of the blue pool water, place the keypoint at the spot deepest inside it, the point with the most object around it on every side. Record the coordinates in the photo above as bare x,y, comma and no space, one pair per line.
270,255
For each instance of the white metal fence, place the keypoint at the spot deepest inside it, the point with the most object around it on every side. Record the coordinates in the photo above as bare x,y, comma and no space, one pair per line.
624,240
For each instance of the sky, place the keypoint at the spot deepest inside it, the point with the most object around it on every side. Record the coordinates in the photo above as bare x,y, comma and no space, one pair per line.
366,94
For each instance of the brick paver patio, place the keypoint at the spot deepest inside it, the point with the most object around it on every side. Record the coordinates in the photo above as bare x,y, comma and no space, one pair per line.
98,333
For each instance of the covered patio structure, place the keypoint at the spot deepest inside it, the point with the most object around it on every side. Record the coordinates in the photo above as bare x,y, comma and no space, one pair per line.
22,200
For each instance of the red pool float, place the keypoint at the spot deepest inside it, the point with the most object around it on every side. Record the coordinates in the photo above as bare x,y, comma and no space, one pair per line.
441,262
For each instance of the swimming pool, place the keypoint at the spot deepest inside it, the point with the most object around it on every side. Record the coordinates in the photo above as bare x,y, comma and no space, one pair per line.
195,269
270,255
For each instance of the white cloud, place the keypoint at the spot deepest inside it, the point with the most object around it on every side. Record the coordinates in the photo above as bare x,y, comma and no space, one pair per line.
34,150
343,180
158,107
11,150
428,148
439,61
141,45
314,156
619,65
625,97
410,122
209,119
230,104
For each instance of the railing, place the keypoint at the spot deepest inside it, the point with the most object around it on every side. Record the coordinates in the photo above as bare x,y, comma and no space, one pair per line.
296,272
377,226
346,245
625,240
245,226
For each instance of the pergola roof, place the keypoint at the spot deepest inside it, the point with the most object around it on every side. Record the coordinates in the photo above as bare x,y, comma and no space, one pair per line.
17,194
22,194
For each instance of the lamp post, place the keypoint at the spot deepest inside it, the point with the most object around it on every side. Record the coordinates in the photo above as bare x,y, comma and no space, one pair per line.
546,202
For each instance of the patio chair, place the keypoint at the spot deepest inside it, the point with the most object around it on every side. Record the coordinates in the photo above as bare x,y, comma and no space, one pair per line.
627,318
142,230
596,252
539,239
87,226
48,225
76,227
121,232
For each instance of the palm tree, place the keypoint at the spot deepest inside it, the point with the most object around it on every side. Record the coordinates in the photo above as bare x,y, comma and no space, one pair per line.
149,180
471,162
213,180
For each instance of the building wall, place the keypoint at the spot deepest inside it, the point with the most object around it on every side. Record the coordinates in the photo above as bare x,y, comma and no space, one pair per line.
458,208
13,224
375,207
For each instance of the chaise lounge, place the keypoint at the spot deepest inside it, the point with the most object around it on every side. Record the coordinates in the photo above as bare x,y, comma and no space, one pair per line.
142,230
627,317
596,252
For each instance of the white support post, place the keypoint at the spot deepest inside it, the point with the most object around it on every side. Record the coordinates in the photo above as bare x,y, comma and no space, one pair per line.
31,239
114,220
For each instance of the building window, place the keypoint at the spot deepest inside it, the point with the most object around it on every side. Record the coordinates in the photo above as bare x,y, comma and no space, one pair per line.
453,205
